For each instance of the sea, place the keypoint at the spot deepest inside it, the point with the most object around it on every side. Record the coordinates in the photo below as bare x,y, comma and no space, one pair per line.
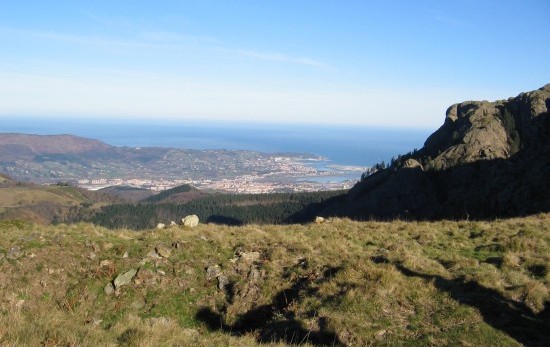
339,145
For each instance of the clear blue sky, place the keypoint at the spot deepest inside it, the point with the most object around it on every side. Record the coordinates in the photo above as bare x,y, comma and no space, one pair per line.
383,63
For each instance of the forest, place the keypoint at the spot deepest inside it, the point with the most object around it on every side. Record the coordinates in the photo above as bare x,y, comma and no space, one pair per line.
228,209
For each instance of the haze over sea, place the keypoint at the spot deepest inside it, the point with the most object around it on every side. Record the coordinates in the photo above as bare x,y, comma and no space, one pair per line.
342,145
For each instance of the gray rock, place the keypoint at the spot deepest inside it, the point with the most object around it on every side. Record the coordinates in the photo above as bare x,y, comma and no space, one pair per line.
161,226
153,254
212,272
412,164
124,278
109,289
190,221
488,159
173,224
319,220
163,251
223,281
249,257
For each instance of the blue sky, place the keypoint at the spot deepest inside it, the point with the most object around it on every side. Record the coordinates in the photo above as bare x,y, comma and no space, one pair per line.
379,63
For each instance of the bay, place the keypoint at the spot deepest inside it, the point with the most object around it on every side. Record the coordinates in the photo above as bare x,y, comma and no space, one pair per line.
339,144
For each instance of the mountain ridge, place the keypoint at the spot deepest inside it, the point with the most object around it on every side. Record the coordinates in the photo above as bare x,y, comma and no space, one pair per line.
488,159
51,144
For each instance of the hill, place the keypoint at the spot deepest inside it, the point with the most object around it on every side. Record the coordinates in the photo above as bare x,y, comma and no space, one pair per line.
5,178
180,194
44,204
488,159
338,283
18,146
126,193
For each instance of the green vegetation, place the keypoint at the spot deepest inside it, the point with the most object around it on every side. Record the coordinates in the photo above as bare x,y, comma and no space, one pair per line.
335,283
231,209
166,193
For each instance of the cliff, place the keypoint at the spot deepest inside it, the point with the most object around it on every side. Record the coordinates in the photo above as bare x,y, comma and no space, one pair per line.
488,159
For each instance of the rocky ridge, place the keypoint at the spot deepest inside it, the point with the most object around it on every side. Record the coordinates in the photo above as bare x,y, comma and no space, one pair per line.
488,159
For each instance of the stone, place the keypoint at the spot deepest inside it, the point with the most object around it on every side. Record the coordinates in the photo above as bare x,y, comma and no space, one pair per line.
125,255
161,226
412,164
153,254
145,276
14,253
173,224
124,278
319,220
91,256
249,257
190,221
223,281
212,272
163,251
109,289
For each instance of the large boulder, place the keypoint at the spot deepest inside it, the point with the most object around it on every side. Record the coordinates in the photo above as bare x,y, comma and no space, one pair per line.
190,221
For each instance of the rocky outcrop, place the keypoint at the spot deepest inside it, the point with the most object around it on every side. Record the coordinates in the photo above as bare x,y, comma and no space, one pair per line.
488,159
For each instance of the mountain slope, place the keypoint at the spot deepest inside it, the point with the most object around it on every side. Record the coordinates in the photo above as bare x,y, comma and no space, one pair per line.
49,144
488,159
338,283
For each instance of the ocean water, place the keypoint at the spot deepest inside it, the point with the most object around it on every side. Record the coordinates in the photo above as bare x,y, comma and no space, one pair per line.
341,145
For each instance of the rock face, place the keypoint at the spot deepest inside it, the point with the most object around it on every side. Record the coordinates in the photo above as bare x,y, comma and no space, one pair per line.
190,221
488,159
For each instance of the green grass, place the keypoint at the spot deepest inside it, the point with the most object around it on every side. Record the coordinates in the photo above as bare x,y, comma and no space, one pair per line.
458,283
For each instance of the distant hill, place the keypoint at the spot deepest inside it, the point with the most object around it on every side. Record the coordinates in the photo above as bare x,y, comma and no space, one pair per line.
54,158
47,204
183,193
21,144
488,159
129,194
5,178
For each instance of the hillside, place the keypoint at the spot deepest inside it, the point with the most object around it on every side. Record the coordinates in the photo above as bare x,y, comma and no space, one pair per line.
5,178
44,204
17,145
338,283
126,193
488,159
179,194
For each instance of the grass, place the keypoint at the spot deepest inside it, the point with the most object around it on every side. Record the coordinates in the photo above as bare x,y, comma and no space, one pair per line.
462,283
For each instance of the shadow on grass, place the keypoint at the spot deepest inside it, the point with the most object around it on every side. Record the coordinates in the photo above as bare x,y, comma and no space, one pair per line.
276,322
513,318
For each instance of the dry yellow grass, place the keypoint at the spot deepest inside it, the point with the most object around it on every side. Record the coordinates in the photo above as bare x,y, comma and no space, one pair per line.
337,283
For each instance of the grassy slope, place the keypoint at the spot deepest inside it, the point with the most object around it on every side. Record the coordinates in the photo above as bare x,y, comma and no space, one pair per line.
38,203
336,283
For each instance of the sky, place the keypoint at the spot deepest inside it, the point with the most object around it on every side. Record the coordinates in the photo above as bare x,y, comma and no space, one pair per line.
374,63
